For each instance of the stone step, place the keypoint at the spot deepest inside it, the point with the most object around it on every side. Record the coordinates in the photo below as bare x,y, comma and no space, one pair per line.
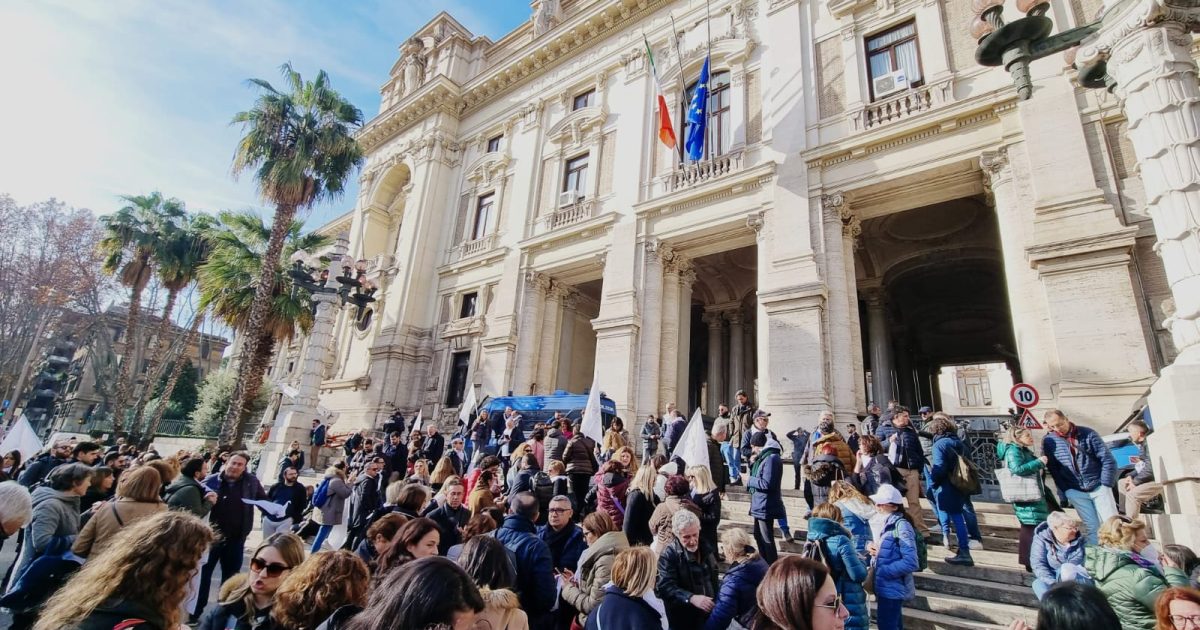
982,571
925,620
1002,558
971,608
975,588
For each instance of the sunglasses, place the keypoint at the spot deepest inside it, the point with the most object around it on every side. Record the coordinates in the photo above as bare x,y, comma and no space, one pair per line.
558,510
273,569
835,606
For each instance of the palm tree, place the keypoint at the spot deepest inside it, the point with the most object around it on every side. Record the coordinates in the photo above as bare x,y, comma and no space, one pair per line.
181,260
300,145
228,287
131,246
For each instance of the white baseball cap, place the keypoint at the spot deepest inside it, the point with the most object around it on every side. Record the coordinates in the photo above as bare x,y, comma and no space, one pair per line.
887,493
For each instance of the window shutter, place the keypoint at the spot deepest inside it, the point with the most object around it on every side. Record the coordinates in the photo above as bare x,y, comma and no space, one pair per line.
460,225
753,108
551,183
607,157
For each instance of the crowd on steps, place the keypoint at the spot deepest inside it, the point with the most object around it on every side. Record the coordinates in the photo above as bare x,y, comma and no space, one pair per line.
510,525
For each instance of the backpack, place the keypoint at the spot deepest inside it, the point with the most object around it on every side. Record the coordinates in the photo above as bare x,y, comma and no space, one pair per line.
321,495
543,489
814,550
965,475
922,549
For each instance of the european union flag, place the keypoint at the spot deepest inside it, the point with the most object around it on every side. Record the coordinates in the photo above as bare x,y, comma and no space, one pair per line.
697,117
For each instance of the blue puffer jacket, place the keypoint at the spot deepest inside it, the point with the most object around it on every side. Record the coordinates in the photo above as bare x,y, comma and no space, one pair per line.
535,567
897,560
848,569
737,594
860,528
1046,555
765,484
1091,467
947,448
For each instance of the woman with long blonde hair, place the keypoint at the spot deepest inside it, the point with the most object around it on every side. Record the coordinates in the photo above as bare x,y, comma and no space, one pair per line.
707,497
640,502
443,471
143,576
320,587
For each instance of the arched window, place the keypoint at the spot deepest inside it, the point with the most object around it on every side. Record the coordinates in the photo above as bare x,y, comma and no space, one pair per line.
719,131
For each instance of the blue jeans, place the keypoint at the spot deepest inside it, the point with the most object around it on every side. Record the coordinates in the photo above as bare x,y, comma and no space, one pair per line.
888,613
783,526
319,539
968,513
1094,508
733,459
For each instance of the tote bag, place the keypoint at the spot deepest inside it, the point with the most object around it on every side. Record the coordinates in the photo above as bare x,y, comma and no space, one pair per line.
1018,489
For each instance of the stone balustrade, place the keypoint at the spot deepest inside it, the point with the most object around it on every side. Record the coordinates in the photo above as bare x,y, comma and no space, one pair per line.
467,249
570,214
902,106
696,173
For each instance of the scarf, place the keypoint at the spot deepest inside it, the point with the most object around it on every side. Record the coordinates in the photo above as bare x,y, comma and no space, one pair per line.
762,456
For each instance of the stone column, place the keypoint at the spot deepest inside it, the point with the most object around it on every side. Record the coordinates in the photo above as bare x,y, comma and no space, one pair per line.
716,366
653,254
687,277
1026,297
1148,47
841,339
668,358
548,349
881,349
294,420
531,332
566,345
851,229
737,357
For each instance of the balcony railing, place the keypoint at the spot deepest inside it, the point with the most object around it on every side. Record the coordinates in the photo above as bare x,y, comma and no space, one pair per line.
467,249
901,106
570,214
697,173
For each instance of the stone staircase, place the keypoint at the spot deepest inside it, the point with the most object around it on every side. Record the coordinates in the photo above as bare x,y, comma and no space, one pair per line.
989,595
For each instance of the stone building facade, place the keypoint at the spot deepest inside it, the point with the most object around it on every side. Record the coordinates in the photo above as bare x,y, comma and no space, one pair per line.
848,233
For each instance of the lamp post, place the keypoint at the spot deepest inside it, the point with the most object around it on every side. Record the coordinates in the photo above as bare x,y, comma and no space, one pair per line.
1141,51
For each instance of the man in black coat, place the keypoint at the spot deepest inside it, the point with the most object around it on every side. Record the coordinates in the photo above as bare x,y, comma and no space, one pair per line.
292,496
396,453
433,446
687,575
37,470
366,499
451,516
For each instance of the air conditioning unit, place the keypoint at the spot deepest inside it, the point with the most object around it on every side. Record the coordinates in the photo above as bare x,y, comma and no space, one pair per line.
568,197
890,83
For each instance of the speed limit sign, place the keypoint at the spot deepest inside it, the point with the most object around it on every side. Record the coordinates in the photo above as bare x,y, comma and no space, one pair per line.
1024,395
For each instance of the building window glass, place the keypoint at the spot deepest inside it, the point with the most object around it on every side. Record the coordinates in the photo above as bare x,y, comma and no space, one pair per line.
718,129
583,100
456,388
483,216
575,175
469,302
892,50
493,144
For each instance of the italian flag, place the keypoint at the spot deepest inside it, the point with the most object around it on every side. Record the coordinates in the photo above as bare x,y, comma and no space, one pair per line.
666,131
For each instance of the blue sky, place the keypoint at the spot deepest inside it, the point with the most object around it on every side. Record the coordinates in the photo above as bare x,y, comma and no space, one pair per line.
110,97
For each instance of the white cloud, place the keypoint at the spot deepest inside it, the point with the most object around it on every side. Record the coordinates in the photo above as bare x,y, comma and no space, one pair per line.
124,96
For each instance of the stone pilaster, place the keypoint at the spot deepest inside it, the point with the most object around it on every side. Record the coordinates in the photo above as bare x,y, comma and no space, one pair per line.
851,229
1148,48
716,366
530,337
548,348
653,255
835,208
566,348
687,278
668,360
737,356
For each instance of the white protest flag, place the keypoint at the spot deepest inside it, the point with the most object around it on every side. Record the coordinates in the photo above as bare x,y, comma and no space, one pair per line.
417,422
593,424
23,439
467,408
693,446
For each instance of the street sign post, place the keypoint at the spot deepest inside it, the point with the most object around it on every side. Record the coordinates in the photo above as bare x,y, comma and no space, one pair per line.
1024,395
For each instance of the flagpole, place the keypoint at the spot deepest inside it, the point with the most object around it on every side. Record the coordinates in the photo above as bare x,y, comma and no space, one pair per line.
683,86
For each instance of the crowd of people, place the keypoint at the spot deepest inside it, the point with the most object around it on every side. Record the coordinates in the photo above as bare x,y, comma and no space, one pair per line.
507,526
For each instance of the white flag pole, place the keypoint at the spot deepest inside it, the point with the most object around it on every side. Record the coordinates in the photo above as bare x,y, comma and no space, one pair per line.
693,445
593,423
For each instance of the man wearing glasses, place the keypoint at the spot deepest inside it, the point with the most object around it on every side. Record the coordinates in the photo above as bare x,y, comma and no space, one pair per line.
563,536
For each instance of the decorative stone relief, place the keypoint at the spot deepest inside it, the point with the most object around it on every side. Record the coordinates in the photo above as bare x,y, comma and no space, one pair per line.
412,66
831,78
546,15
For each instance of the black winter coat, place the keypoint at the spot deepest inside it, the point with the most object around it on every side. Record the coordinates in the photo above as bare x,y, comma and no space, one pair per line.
679,577
107,615
638,508
618,611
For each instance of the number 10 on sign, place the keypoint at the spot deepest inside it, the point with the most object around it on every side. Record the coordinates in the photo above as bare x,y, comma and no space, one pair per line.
1024,395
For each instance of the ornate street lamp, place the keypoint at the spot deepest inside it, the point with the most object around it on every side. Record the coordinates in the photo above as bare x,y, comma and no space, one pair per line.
1015,44
354,287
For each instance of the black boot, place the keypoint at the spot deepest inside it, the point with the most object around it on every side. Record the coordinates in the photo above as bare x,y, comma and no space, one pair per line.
962,559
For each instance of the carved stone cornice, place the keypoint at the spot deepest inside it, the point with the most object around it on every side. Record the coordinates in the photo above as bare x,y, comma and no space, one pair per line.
488,169
578,126
438,94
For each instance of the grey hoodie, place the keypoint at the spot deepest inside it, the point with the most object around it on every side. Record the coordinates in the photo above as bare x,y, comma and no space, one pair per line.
55,514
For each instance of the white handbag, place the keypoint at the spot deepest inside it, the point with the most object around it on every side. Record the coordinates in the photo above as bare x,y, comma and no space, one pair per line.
1018,489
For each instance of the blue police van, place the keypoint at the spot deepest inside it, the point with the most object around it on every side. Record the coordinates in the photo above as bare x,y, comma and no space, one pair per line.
537,410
